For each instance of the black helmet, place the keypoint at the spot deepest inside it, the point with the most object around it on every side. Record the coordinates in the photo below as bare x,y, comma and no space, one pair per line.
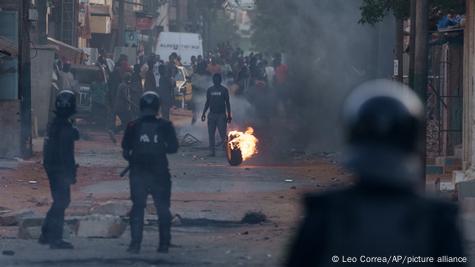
383,122
149,103
65,103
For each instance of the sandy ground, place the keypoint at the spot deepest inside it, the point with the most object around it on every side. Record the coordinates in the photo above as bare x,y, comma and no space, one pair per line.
203,188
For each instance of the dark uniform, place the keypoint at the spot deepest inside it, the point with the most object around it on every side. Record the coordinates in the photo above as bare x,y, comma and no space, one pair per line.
383,215
60,166
166,85
217,100
145,145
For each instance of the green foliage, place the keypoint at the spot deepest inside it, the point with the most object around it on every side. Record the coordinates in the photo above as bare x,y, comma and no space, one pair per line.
374,11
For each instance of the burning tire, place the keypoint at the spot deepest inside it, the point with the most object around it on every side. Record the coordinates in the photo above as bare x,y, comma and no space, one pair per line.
241,146
234,155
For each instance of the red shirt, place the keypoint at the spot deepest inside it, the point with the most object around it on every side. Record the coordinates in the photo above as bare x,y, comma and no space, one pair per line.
281,73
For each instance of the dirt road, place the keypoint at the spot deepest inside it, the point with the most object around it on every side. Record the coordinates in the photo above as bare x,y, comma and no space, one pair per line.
209,197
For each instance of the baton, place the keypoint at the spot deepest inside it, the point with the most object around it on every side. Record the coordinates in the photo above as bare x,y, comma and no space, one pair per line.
125,171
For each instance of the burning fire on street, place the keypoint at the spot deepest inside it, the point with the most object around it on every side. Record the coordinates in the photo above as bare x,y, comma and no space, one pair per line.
241,146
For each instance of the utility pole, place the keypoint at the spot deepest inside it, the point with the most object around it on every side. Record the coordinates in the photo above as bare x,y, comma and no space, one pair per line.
421,62
42,13
399,49
24,77
121,34
412,44
179,17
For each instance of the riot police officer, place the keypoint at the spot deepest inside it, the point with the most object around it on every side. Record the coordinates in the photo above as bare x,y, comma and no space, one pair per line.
217,100
60,166
146,143
384,213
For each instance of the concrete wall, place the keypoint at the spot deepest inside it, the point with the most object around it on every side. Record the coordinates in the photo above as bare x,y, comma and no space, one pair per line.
10,128
41,76
468,92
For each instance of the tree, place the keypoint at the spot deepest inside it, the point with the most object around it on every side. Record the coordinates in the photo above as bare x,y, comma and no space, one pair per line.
374,11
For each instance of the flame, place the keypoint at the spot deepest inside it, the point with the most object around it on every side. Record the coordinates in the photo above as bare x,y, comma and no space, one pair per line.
245,141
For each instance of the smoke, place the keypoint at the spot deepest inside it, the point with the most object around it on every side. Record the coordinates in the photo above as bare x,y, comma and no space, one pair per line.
242,109
330,54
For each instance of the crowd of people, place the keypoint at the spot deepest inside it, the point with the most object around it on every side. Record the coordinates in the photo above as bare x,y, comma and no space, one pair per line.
254,70
117,89
127,83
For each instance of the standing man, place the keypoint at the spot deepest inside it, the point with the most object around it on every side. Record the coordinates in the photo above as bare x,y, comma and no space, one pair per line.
60,166
66,77
166,86
150,81
217,100
146,143
123,101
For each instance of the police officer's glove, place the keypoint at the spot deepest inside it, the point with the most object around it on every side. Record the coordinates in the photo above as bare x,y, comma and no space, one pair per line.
229,119
203,117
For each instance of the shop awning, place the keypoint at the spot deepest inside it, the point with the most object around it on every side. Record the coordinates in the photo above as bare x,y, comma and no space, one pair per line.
67,52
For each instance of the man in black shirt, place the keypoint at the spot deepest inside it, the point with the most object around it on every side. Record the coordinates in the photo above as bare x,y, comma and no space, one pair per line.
60,166
217,100
146,143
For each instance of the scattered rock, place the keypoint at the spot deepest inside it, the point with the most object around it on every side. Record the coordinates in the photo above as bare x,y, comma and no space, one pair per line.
39,202
113,207
102,226
13,218
253,217
8,252
4,210
30,228
176,220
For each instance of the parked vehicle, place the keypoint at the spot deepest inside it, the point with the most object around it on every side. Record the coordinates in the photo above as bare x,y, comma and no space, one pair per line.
91,89
184,44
